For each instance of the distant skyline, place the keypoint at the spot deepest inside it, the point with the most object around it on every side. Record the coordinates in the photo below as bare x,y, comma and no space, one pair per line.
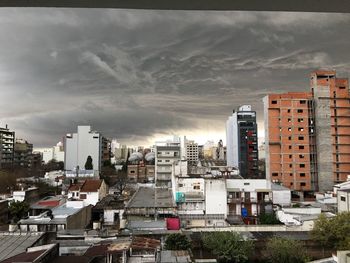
138,75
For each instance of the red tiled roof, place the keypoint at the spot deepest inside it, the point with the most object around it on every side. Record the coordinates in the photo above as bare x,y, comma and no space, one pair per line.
74,187
91,185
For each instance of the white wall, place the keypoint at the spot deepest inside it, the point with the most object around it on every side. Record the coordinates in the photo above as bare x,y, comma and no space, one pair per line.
80,146
215,197
282,197
91,198
232,141
343,198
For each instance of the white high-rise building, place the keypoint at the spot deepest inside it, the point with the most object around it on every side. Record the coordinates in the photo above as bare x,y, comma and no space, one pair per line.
167,153
80,145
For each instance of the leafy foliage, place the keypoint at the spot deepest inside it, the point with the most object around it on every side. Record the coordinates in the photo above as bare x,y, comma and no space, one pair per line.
7,181
177,242
88,164
268,219
333,232
18,210
228,246
285,250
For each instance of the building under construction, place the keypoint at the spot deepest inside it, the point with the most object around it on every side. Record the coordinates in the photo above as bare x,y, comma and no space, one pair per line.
307,134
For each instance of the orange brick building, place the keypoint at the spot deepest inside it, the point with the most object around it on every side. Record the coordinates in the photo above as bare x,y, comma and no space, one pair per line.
307,135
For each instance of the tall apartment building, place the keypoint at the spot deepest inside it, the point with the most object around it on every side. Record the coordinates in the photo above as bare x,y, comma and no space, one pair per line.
332,111
22,153
242,142
7,144
290,140
80,145
192,153
307,134
167,153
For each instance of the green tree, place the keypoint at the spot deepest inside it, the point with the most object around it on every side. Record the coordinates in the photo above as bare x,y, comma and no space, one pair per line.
268,219
177,242
7,181
228,246
18,210
88,164
333,232
285,250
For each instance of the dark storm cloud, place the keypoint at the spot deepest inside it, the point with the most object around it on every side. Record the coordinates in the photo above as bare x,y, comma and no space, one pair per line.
132,74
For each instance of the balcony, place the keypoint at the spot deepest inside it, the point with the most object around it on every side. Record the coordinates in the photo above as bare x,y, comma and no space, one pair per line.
194,196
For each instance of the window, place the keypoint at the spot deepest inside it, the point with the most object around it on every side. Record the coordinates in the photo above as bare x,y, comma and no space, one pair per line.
302,165
196,187
82,196
341,87
288,110
301,156
343,198
302,174
300,129
290,174
301,138
290,147
300,120
300,111
246,183
132,171
167,161
274,102
290,138
289,120
274,174
301,147
290,165
290,129
290,156
291,183
303,102
302,184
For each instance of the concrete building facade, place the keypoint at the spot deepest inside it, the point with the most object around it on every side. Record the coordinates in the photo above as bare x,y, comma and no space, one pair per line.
332,111
167,153
7,144
192,152
242,141
80,145
22,153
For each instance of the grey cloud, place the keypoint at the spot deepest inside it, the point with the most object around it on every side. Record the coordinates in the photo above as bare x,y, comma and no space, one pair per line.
133,74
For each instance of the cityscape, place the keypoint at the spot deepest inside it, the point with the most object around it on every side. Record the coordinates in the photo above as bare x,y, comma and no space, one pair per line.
191,176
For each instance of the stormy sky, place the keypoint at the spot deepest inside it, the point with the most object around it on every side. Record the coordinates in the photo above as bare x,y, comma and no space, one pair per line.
138,75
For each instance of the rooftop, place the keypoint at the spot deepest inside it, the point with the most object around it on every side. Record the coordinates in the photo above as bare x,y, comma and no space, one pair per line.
169,256
109,202
25,257
91,185
48,202
60,214
147,225
12,244
145,243
347,190
151,197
